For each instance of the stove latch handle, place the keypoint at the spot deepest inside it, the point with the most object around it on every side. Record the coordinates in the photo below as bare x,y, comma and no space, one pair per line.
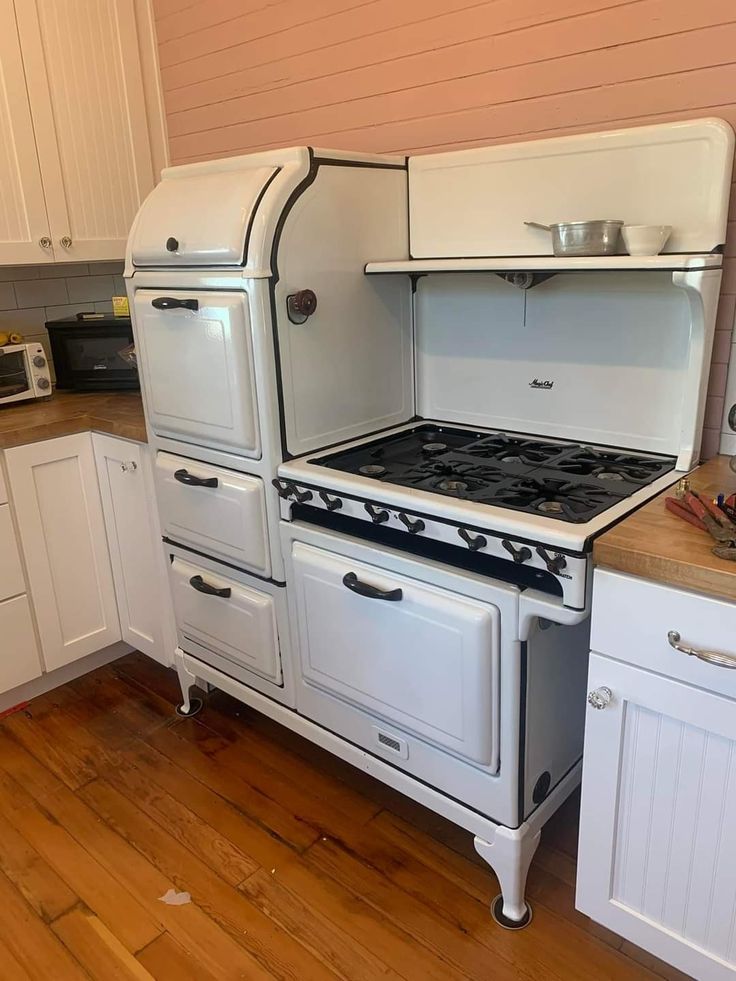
413,527
473,542
519,555
378,515
301,305
331,503
554,563
370,592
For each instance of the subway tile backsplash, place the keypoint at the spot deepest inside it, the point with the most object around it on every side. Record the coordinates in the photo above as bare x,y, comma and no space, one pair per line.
31,295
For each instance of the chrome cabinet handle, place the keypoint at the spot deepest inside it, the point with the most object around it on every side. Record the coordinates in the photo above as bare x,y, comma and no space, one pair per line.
128,466
710,657
45,242
600,697
66,241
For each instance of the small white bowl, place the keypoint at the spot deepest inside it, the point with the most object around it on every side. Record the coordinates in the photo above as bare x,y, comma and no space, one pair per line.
645,239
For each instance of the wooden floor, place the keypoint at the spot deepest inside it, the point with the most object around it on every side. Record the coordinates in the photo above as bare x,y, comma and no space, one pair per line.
298,866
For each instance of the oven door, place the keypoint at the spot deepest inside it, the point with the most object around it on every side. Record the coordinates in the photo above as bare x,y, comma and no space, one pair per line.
420,659
16,381
197,367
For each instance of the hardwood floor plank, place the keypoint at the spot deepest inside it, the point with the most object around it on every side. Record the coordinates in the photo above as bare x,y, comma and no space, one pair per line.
97,949
12,967
162,681
272,947
67,767
167,960
42,888
31,942
324,937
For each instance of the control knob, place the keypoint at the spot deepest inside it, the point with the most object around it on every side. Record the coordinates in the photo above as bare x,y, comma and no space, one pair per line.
43,383
520,554
39,361
555,563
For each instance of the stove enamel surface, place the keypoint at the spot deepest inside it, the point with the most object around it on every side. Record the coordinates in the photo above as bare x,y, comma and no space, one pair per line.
560,480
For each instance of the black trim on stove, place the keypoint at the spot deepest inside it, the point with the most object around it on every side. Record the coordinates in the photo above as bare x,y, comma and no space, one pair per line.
228,565
315,163
254,212
523,681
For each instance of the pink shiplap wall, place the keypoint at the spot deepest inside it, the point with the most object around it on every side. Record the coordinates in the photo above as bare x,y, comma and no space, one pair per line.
423,75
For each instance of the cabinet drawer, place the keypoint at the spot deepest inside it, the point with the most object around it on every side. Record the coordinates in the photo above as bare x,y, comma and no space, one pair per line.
19,658
11,573
233,631
216,511
632,618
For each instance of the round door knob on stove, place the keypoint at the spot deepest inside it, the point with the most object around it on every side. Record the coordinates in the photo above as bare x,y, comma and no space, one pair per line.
172,244
39,361
301,305
600,698
43,384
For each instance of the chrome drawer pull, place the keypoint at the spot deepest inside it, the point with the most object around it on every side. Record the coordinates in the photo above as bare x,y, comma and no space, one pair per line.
711,657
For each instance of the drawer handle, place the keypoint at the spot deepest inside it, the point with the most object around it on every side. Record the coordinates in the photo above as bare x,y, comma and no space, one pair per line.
198,583
174,303
184,477
711,657
371,592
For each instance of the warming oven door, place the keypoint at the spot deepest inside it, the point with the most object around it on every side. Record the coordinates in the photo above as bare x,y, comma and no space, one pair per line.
197,368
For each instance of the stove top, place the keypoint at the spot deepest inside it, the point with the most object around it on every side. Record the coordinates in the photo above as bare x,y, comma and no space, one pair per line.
567,481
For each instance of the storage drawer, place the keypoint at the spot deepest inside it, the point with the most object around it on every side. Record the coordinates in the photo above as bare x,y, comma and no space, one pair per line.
216,511
413,654
19,658
632,618
11,573
225,623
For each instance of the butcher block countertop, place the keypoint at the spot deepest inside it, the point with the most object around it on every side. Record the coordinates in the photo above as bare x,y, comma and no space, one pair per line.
117,413
654,544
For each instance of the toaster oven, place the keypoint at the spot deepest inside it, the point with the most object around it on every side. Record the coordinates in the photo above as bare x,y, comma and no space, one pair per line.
24,373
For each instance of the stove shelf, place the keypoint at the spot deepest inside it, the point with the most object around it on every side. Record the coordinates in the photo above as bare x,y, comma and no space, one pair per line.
547,263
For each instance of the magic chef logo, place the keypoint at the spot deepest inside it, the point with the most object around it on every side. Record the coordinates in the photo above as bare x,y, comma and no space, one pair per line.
545,384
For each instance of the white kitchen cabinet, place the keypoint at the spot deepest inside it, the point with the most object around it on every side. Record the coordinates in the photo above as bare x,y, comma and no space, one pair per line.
135,546
24,223
19,658
57,505
658,817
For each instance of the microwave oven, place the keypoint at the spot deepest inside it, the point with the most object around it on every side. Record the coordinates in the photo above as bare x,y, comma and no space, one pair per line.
24,373
93,355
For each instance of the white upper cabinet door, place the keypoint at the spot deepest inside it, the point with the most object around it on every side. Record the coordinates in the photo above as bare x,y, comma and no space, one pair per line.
62,531
84,80
24,224
142,595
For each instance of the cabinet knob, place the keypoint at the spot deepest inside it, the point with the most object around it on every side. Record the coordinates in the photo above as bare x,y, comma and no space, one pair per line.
128,466
45,242
66,242
599,698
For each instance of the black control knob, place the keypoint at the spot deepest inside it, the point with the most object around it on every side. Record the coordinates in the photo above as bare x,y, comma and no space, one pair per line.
301,497
331,503
474,542
378,515
283,488
554,563
519,555
172,244
412,526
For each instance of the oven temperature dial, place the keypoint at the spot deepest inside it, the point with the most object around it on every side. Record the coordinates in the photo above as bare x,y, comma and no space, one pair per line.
39,361
43,383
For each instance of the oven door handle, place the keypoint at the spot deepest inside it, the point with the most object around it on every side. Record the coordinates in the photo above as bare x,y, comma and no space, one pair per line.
370,592
174,303
191,480
198,583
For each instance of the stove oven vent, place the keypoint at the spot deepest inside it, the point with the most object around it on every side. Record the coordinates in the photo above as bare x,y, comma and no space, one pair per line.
388,741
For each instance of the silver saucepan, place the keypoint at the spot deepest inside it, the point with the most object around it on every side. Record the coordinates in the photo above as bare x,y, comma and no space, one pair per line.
583,237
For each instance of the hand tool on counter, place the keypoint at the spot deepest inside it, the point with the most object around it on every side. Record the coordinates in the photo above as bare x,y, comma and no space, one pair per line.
707,516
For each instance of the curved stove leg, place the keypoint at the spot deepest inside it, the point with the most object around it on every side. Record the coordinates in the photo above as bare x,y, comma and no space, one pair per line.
190,705
509,854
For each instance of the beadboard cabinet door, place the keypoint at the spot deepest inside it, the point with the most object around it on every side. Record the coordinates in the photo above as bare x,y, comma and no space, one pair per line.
62,534
85,84
656,861
24,225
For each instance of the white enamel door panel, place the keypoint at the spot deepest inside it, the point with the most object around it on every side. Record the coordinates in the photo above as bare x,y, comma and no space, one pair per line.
11,573
62,532
421,657
19,658
133,542
24,222
212,229
85,84
658,818
632,618
198,368
214,510
222,617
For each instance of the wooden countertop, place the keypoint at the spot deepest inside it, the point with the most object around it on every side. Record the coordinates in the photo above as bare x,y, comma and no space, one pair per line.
654,544
117,413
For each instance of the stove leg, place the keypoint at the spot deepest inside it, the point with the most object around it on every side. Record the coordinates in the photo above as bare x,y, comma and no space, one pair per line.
189,706
509,854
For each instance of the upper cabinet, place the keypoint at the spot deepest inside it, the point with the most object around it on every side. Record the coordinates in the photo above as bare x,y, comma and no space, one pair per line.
75,151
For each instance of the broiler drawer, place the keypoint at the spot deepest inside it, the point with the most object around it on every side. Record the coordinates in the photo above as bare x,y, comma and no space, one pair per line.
225,623
216,511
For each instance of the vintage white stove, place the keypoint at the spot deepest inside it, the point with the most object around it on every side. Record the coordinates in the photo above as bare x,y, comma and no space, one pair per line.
385,444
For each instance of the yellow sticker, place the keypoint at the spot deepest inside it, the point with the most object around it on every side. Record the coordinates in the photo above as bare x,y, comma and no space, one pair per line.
120,306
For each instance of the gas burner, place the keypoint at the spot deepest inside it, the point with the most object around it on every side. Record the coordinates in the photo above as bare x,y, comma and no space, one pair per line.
556,498
610,465
549,507
515,449
372,470
452,486
432,449
608,475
